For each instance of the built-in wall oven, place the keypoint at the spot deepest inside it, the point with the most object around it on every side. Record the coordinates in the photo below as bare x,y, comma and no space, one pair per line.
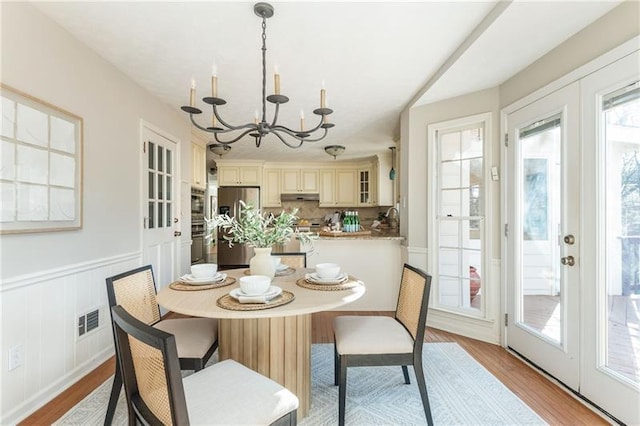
198,226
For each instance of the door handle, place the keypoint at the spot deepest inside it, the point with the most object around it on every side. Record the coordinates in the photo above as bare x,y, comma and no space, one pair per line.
568,261
177,233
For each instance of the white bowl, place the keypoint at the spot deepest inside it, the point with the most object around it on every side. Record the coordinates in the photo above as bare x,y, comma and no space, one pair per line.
204,270
276,261
327,270
255,284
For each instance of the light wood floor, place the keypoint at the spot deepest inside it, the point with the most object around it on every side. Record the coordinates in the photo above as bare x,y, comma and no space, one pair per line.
551,403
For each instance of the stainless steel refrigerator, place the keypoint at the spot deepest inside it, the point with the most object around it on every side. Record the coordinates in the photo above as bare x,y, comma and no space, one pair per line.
229,203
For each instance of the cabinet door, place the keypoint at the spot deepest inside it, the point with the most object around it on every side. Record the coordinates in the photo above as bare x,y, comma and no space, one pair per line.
346,184
228,176
198,175
365,194
327,188
250,175
308,180
271,188
290,180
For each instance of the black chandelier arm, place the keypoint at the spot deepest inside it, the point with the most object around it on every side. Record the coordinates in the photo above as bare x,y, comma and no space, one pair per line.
295,133
317,139
229,126
284,141
243,134
275,115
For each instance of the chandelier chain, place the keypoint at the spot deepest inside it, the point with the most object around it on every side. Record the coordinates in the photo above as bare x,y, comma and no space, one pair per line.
264,69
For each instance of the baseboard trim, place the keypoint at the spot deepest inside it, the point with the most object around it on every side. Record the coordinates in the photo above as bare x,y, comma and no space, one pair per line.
46,395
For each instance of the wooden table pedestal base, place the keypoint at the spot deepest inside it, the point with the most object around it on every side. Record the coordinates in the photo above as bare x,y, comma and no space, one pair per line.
279,348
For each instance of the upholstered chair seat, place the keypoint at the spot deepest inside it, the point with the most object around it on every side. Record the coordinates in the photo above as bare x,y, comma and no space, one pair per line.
233,394
371,335
194,336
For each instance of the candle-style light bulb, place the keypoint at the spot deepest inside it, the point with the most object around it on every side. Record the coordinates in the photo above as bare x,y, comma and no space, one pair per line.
192,93
214,81
256,117
276,80
301,120
323,96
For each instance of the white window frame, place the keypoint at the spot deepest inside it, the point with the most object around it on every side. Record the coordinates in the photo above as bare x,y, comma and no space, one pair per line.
433,198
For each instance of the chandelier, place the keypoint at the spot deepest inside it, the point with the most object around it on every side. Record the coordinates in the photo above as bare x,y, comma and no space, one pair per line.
260,127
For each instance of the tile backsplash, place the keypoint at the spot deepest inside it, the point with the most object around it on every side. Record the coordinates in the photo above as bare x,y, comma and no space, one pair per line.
312,211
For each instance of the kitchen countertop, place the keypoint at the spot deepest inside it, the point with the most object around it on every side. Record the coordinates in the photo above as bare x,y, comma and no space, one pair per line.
383,234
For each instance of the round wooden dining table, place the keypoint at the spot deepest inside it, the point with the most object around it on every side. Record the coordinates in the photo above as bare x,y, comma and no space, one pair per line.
276,341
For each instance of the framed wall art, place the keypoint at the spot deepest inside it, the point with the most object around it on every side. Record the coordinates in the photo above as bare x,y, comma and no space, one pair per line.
40,165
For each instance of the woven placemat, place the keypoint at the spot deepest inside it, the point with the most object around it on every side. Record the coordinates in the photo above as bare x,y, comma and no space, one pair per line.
282,273
228,302
179,285
349,283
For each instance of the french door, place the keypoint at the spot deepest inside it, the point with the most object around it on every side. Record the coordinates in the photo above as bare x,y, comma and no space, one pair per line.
543,227
573,237
611,238
161,204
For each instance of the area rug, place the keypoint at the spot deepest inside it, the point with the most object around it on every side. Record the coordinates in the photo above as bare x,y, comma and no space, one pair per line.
461,392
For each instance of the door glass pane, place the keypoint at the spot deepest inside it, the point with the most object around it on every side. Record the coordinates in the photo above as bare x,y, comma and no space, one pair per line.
152,214
541,304
160,158
621,118
152,156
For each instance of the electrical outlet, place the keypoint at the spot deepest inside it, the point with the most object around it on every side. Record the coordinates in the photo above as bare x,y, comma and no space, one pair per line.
15,357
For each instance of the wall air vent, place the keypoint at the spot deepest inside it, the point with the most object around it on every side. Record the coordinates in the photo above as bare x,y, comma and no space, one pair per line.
88,322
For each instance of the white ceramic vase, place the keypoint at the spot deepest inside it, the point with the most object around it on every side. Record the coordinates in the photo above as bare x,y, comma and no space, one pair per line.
261,262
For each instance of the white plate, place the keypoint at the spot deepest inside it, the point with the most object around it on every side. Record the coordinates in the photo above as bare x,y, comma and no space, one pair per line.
314,278
190,279
273,291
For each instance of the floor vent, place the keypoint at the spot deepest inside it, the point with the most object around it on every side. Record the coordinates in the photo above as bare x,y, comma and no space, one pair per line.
88,322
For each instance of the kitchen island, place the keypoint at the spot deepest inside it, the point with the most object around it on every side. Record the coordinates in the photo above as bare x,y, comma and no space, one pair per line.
374,258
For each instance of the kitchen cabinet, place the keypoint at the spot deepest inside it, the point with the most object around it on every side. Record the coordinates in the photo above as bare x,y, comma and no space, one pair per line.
271,188
236,175
327,188
299,180
198,166
365,187
346,194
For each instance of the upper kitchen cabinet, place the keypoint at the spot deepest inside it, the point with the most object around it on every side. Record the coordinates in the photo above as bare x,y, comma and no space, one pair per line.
346,190
327,188
239,173
198,165
303,180
271,188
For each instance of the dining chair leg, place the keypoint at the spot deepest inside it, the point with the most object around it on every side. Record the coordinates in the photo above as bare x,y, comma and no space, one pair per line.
342,390
115,394
405,372
422,385
335,365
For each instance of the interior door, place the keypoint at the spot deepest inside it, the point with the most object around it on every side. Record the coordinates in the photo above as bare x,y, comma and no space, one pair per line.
543,233
611,238
160,197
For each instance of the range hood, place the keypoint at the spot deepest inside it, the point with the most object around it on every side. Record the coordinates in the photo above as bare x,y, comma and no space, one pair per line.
299,197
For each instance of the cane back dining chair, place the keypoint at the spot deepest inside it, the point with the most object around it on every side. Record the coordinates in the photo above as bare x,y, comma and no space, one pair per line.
381,340
225,393
293,259
196,338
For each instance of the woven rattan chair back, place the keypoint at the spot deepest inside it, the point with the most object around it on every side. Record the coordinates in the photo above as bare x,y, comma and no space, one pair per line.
411,304
151,370
135,291
293,260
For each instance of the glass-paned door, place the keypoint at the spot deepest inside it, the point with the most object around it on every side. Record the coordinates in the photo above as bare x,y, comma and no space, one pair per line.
610,373
542,233
160,206
459,257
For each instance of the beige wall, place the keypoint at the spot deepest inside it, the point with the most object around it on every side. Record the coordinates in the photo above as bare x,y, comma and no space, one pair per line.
48,279
608,32
611,30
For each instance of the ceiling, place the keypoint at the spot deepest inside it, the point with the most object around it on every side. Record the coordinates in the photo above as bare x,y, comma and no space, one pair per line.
375,58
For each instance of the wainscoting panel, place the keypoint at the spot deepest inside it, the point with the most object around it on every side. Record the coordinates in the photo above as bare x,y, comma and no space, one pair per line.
39,314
